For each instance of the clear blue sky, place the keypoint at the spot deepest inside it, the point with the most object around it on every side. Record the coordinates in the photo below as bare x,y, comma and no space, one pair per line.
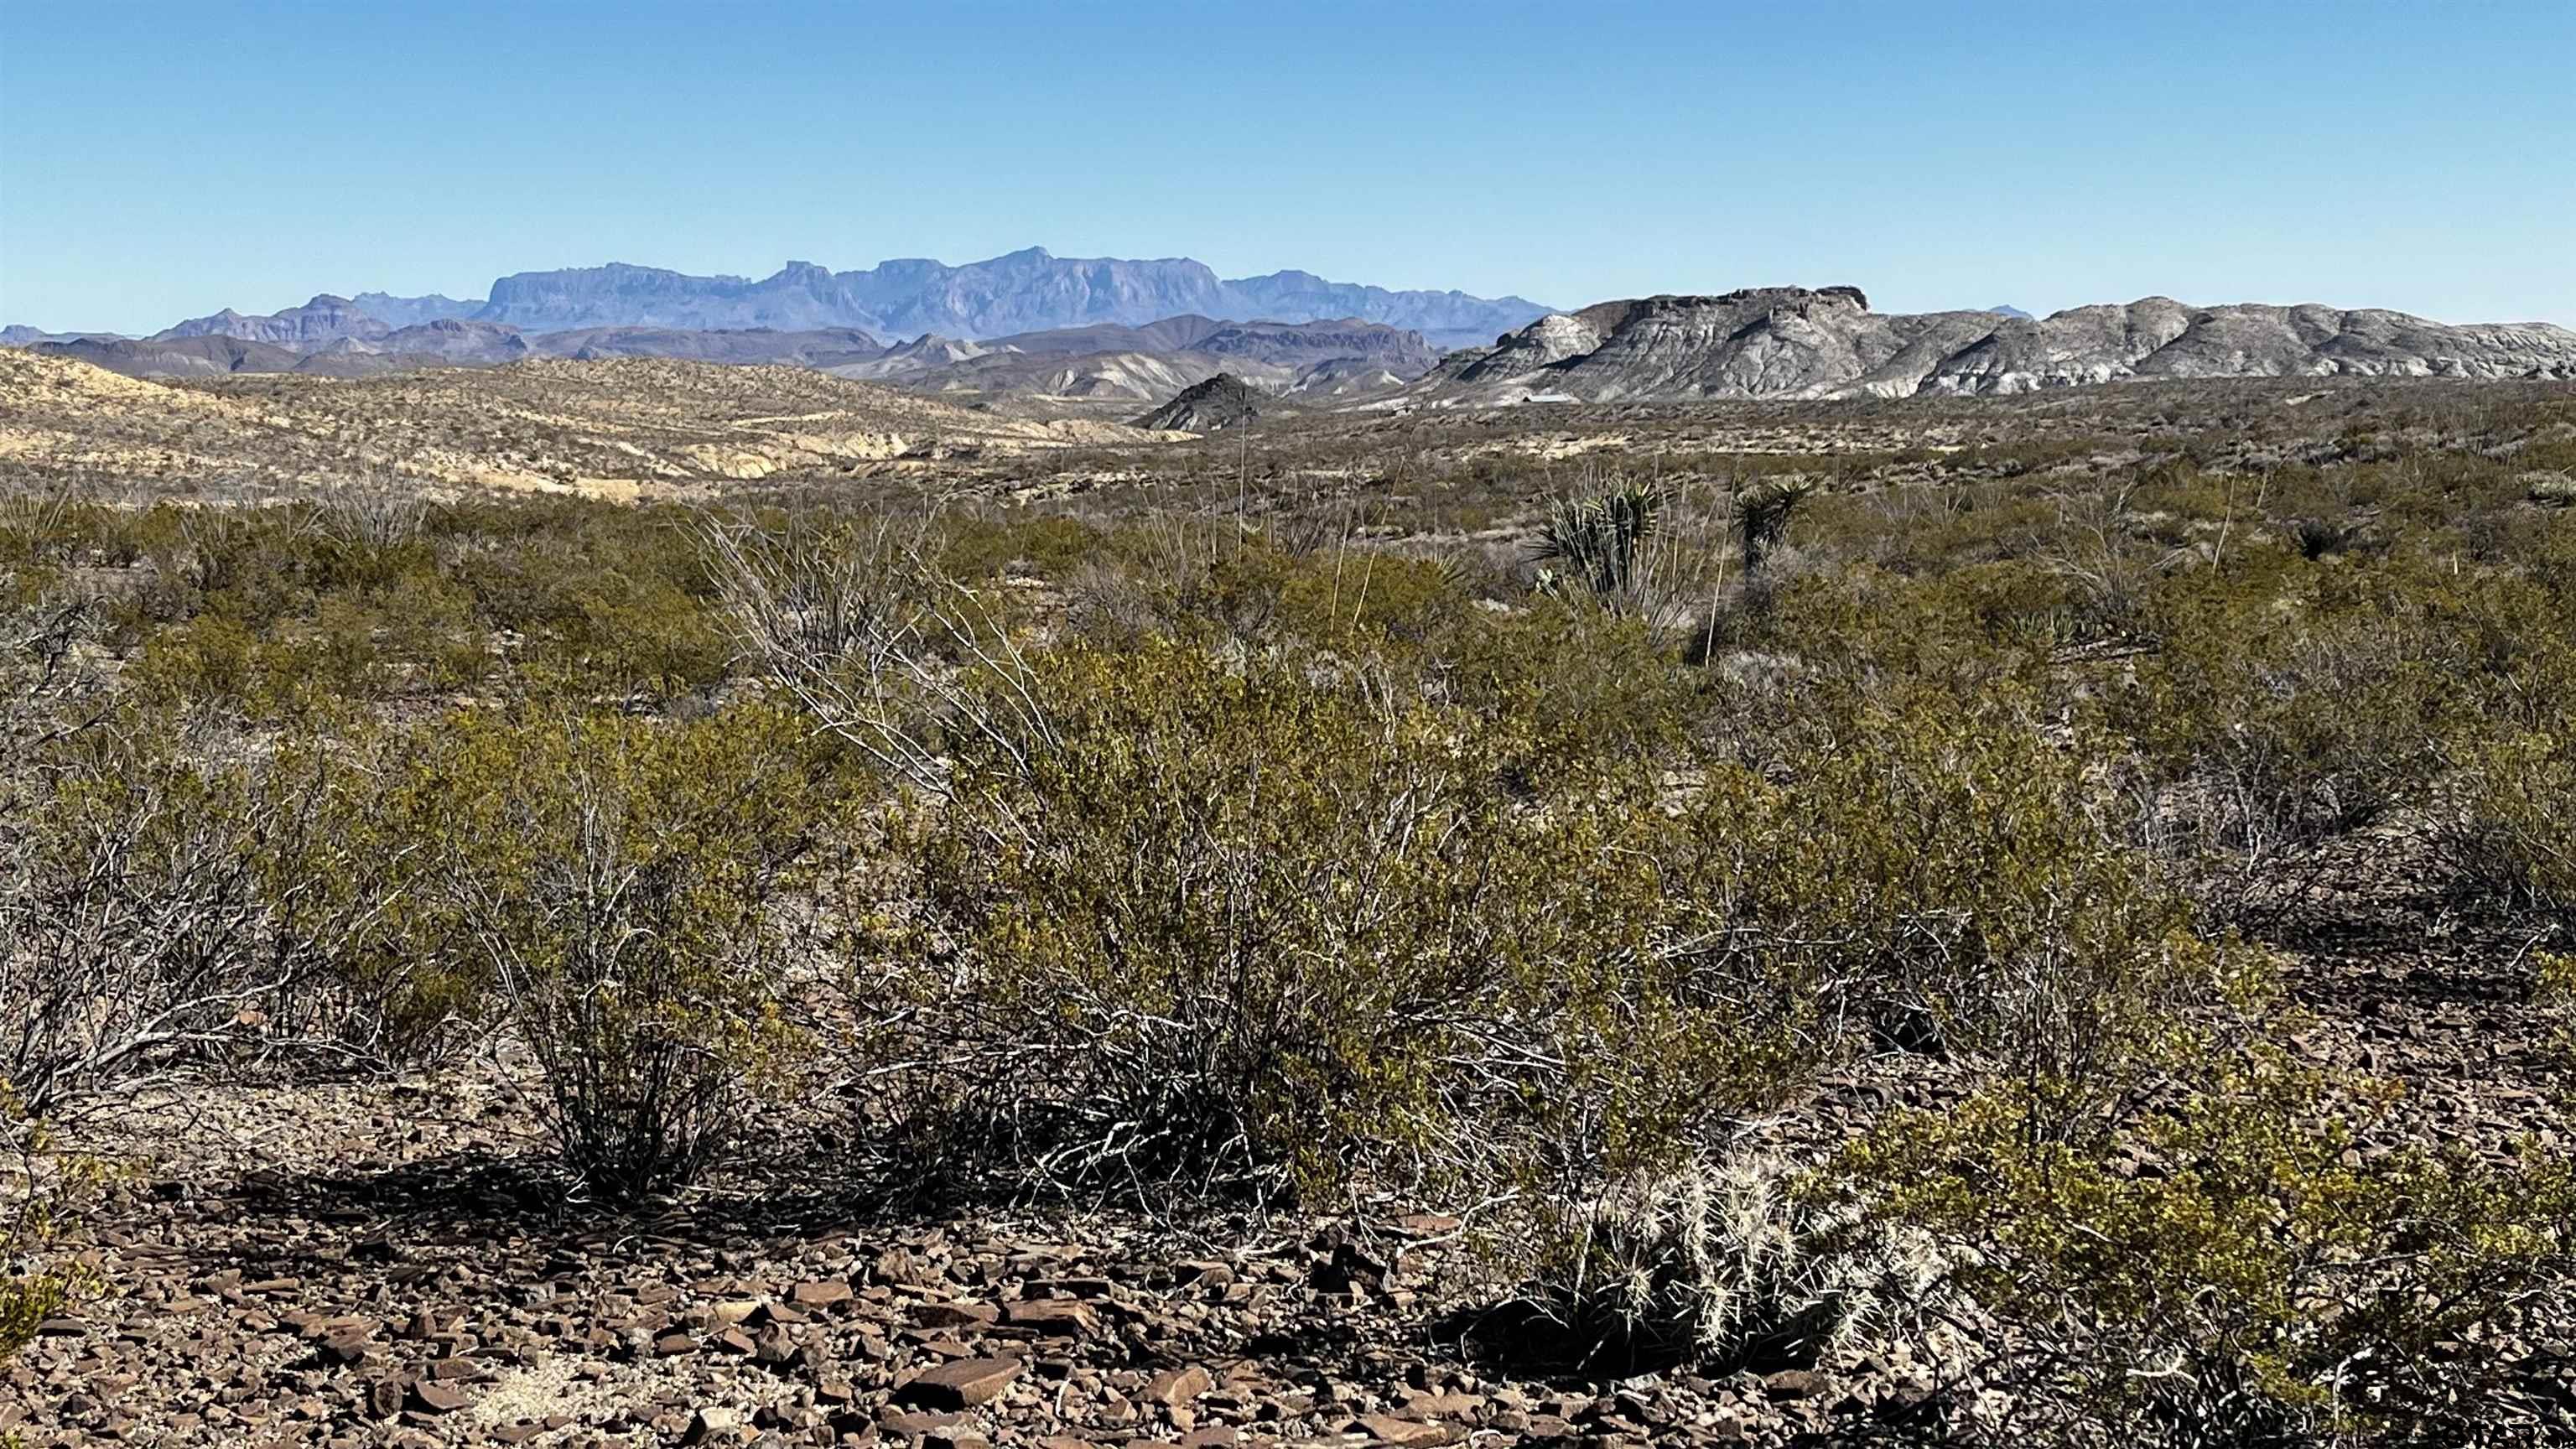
160,161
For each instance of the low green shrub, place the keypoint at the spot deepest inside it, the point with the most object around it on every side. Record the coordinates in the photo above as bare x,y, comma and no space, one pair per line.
2287,705
613,883
140,907
2233,1266
38,1180
1931,871
2512,833
1255,920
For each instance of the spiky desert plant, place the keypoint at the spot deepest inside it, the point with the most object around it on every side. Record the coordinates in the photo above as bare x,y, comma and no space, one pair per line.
1600,536
1724,1262
1762,514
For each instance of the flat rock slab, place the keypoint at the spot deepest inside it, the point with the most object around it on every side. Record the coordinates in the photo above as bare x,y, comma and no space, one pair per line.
1406,1433
965,1383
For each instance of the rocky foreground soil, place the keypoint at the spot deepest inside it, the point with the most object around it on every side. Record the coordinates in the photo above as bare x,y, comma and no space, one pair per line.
390,1263
276,1281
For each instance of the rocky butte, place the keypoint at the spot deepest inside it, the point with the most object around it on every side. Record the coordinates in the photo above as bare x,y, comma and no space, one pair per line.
1793,342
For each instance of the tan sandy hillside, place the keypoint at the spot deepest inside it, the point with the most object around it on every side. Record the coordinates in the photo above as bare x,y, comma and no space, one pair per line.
616,428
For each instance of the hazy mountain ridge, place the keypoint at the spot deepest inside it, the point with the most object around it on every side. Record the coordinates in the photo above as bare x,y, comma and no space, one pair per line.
399,312
1788,342
1025,291
325,319
18,334
1793,342
1102,361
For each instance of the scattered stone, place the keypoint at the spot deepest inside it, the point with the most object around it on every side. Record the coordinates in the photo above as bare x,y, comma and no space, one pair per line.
430,1396
824,1293
1794,1384
715,1425
1176,1387
1058,1317
956,1315
1404,1433
964,1383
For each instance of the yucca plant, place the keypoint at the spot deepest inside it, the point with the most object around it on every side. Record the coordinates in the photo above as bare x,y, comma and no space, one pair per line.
1599,537
1762,514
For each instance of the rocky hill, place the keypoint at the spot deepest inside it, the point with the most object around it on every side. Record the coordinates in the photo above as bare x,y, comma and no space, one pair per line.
1108,361
1791,342
323,320
1766,342
1221,402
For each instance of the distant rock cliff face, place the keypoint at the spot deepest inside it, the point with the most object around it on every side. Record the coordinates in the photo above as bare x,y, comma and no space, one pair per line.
400,312
323,320
1790,342
1403,352
1025,291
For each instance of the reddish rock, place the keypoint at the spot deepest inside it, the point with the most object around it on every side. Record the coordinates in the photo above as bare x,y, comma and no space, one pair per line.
430,1396
955,1315
822,1293
965,1383
1062,1317
1176,1387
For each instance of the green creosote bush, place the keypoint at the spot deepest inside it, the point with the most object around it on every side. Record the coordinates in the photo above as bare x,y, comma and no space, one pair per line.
2513,835
1931,871
614,884
151,891
1245,920
2554,992
2231,1266
2283,709
1218,584
1928,872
